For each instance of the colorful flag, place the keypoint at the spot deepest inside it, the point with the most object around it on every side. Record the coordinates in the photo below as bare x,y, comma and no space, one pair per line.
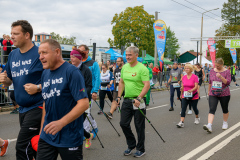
233,54
160,31
212,49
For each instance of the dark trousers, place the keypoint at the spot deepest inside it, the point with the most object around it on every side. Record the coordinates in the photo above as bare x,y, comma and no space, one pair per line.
192,103
102,95
49,152
172,90
30,123
127,113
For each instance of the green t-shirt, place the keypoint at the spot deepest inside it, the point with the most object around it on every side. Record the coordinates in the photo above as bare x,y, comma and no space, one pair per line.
150,72
133,78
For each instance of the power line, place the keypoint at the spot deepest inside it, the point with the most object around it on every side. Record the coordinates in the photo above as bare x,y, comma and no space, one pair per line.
201,8
195,10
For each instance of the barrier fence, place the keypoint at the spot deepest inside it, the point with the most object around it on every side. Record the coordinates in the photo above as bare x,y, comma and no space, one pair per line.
160,80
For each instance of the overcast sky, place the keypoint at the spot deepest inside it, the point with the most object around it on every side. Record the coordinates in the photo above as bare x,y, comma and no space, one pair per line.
92,19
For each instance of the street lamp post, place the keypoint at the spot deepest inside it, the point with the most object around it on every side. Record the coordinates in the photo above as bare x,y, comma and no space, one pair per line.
202,33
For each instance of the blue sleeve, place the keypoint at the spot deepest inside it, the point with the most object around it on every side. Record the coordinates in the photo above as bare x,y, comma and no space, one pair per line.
96,77
111,76
76,85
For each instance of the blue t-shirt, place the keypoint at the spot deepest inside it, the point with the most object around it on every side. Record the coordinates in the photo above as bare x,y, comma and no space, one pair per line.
61,89
25,68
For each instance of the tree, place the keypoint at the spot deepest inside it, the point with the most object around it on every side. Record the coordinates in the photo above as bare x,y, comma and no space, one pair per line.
172,45
133,25
230,13
63,40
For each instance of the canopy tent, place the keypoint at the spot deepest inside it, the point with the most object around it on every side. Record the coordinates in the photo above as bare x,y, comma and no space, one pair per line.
114,54
150,59
204,61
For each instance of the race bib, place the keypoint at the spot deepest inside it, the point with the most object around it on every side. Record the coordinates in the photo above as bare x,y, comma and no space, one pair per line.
141,106
117,89
104,88
187,94
217,85
151,82
11,88
176,85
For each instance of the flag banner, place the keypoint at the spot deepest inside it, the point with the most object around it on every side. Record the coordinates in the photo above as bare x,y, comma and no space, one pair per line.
160,31
212,49
233,54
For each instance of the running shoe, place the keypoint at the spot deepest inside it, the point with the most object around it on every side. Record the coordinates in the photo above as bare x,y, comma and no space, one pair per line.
197,120
189,112
237,85
89,141
4,148
208,128
100,112
180,124
127,152
139,154
94,134
225,125
171,109
109,115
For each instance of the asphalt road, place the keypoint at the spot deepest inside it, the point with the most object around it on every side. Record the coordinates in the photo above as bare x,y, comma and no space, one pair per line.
190,142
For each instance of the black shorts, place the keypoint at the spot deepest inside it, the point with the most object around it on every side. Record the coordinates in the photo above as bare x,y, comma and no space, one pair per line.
115,95
49,152
233,78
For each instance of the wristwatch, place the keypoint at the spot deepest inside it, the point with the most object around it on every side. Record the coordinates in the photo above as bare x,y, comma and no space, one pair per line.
38,88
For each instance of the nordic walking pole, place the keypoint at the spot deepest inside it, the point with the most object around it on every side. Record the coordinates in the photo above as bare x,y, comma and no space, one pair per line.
170,95
94,130
151,96
108,103
108,119
205,90
149,122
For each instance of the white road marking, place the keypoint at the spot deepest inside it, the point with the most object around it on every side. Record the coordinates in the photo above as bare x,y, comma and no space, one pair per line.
219,146
208,143
157,107
12,140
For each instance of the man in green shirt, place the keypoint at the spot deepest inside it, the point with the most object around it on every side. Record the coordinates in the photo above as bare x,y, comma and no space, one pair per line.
135,80
150,77
233,73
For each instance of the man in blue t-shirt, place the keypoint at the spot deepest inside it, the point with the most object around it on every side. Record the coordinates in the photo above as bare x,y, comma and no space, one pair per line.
24,70
65,100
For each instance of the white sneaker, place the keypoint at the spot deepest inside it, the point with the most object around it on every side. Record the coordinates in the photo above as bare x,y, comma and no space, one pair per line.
197,120
208,128
225,125
189,112
180,124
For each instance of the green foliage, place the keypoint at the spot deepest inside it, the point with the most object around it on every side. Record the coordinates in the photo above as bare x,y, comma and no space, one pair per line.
110,42
133,25
63,40
172,45
230,13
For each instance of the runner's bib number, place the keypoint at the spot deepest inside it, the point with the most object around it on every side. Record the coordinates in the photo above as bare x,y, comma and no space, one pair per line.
217,85
104,88
176,85
187,94
141,106
11,88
